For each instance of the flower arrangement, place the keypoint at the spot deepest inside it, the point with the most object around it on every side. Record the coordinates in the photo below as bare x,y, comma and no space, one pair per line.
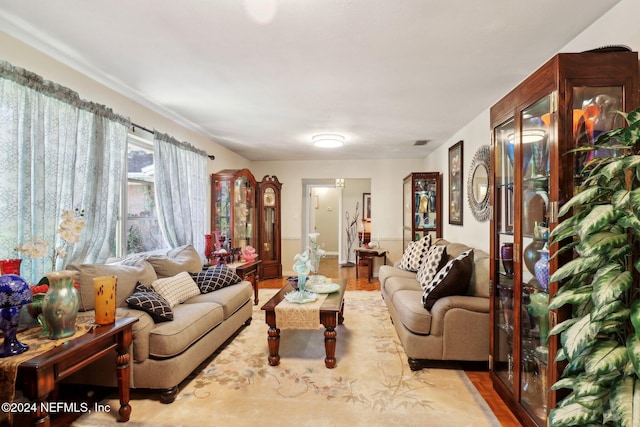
69,231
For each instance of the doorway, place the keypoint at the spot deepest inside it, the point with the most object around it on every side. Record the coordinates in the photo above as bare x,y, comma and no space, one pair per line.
324,211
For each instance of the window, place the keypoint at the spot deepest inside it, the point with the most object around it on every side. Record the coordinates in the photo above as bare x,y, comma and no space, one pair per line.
142,228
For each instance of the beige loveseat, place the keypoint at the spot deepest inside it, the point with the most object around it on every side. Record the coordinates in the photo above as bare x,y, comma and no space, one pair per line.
165,353
456,327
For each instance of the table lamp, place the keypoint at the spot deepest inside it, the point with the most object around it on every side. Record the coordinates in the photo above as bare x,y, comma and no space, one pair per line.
14,292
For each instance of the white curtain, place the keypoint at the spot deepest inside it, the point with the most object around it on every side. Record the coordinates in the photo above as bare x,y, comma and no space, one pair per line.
181,183
58,153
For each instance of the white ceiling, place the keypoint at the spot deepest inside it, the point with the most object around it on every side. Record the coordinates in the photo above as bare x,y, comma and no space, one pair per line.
262,76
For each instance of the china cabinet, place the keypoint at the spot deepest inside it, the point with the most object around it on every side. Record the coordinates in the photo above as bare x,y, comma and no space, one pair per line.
233,208
269,229
565,104
422,206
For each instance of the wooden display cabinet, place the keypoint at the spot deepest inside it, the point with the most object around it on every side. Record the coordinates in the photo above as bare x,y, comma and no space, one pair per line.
564,104
421,206
269,227
233,208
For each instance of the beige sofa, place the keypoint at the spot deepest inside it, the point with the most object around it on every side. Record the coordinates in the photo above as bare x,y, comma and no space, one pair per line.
456,327
165,353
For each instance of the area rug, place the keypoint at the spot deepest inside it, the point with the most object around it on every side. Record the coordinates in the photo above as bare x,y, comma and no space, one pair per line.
371,385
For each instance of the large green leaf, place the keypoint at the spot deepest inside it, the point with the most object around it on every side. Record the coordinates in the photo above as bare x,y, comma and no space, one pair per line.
574,415
576,266
609,283
635,201
620,199
635,316
600,216
633,351
600,243
563,326
633,116
607,356
615,166
580,199
601,312
565,229
630,221
578,336
623,401
632,134
570,296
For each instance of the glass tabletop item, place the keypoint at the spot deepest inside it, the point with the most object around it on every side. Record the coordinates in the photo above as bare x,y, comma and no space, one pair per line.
301,297
324,288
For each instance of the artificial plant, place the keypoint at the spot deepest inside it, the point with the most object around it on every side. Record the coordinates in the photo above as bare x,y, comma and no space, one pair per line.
600,342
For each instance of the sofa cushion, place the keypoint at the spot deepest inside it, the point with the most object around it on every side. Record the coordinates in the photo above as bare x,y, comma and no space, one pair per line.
146,299
215,278
411,312
436,259
415,254
183,258
453,279
190,323
128,276
176,289
231,298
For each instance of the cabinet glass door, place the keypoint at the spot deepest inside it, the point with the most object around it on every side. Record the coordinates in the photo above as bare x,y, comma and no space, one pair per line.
536,136
244,212
503,363
222,219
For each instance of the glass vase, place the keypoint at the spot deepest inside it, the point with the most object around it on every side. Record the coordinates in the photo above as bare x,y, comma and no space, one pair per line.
61,304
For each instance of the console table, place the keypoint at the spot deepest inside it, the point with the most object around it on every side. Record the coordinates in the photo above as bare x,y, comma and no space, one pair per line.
38,376
366,254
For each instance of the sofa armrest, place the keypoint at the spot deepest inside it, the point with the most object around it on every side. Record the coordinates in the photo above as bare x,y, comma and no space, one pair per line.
456,302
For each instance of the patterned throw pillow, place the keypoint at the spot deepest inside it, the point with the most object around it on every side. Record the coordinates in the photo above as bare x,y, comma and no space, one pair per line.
176,289
436,259
415,254
452,279
215,278
144,298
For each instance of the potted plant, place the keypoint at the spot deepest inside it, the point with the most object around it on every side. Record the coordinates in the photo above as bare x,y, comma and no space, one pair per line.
600,342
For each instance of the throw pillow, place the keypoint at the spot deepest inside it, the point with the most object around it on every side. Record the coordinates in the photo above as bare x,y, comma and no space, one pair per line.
183,258
436,259
414,256
176,289
452,279
215,278
145,299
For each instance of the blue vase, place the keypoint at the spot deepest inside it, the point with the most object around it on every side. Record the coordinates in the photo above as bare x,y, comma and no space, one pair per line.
14,292
61,304
541,269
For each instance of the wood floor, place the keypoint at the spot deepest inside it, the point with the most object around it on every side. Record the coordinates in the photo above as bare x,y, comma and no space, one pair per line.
329,267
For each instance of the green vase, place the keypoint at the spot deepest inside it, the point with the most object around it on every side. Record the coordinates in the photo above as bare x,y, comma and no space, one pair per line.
60,305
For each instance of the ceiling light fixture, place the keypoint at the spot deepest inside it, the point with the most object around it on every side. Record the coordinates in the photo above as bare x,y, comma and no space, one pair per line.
328,140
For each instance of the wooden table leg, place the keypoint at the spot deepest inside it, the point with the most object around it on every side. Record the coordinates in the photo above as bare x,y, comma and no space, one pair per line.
123,371
274,345
329,322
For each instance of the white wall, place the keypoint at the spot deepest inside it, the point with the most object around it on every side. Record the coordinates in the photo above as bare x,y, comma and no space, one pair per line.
386,193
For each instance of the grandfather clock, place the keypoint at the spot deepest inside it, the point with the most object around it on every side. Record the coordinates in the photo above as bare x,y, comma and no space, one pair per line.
269,229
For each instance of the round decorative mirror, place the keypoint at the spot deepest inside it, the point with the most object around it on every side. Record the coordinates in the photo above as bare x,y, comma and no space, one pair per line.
478,184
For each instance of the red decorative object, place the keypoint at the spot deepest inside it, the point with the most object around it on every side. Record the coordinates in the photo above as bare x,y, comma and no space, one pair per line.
10,266
209,245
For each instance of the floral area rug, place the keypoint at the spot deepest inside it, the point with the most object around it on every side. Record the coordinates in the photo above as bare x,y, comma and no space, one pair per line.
371,385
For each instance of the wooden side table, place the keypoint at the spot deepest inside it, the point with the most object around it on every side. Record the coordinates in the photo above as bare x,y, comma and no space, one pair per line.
37,377
248,271
365,254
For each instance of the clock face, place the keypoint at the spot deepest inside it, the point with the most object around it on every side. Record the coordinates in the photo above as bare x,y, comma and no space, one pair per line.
269,199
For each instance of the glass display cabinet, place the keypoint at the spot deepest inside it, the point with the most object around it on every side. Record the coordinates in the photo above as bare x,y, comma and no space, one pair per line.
269,234
233,208
565,104
422,206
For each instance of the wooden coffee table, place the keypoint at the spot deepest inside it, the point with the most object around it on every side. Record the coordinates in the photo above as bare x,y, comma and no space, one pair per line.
331,315
37,377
